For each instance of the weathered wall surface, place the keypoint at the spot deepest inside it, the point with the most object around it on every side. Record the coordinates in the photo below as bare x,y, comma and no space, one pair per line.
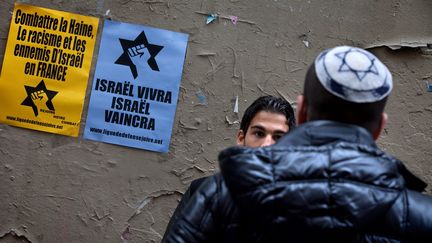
60,189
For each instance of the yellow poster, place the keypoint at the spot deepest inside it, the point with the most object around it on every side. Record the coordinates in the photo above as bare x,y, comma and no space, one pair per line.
46,69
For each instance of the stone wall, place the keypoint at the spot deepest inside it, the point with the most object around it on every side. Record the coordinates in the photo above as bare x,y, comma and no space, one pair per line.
62,189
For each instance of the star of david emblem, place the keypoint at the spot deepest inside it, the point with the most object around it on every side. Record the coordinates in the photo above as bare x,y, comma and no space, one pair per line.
360,72
140,40
39,94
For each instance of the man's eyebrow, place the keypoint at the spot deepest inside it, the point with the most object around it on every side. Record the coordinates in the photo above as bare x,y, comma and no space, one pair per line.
257,127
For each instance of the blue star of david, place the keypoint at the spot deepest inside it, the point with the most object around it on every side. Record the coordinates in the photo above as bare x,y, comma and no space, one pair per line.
360,74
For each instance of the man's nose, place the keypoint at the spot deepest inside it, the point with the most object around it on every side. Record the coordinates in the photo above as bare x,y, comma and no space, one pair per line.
268,140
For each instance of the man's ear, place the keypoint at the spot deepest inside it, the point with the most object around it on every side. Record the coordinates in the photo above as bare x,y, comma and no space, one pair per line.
240,138
380,128
301,110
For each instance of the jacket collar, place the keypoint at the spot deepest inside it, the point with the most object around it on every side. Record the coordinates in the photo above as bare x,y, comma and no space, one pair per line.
322,132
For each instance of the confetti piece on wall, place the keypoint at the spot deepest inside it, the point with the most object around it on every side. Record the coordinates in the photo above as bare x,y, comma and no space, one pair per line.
211,18
429,87
201,97
233,19
236,105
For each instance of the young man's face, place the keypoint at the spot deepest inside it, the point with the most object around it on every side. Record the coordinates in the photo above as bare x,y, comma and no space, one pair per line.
264,130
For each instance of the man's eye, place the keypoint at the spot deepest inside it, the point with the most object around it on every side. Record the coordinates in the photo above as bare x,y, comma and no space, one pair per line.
276,137
259,134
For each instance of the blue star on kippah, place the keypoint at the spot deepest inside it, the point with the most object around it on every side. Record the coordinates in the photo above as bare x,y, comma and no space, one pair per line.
353,74
346,67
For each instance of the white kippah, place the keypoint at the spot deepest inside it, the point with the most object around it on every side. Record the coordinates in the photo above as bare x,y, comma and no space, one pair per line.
353,74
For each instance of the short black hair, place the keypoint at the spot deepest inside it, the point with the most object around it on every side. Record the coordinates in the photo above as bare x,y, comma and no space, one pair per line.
322,105
271,104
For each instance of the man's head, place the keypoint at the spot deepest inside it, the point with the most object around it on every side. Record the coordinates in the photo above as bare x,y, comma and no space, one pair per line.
349,85
266,120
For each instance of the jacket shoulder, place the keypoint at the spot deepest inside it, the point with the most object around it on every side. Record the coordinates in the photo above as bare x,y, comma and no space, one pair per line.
199,220
410,217
419,215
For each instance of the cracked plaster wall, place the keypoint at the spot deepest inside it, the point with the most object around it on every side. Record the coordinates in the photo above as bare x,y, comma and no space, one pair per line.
61,189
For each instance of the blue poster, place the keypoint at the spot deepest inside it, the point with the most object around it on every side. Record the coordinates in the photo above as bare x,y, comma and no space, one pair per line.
136,85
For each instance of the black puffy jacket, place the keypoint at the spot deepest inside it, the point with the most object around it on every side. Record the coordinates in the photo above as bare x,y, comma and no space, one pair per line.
323,182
